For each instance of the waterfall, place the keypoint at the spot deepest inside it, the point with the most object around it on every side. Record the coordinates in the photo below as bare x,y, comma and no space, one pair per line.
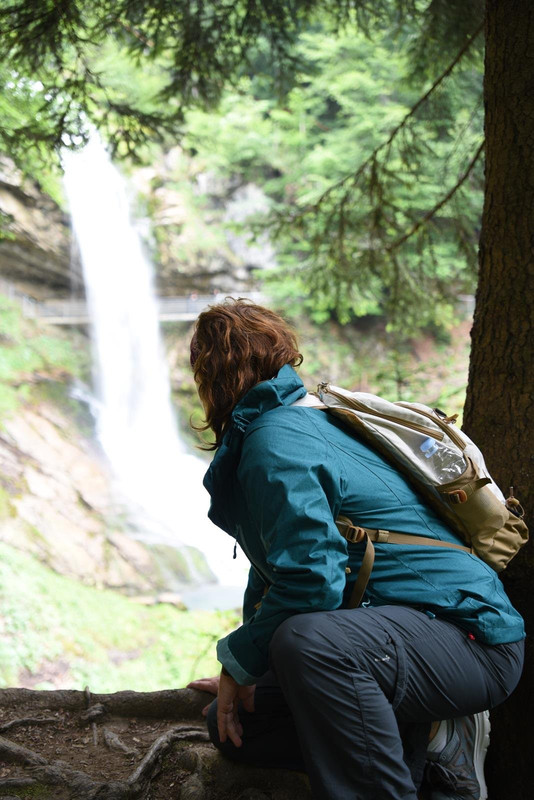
158,481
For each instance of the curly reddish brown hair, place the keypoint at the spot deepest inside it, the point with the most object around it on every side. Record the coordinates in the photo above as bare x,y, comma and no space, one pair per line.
236,345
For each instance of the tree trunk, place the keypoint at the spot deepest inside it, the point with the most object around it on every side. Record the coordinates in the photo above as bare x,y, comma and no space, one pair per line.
499,404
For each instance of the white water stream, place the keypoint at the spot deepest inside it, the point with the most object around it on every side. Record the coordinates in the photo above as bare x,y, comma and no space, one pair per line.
158,481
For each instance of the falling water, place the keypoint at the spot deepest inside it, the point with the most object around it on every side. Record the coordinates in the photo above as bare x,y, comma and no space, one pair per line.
159,482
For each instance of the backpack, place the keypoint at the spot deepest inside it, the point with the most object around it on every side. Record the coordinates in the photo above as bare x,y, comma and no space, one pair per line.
444,465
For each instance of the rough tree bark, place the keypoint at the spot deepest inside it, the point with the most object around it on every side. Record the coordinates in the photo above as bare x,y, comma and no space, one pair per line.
498,412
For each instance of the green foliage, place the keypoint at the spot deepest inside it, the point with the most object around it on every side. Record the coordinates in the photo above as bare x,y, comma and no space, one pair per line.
445,26
26,349
375,194
49,51
369,358
353,165
20,101
103,639
190,413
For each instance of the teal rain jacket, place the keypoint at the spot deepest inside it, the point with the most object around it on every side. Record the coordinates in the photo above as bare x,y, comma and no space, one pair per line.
279,480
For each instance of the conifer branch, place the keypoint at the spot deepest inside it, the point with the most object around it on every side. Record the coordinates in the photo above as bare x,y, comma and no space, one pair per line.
372,157
428,216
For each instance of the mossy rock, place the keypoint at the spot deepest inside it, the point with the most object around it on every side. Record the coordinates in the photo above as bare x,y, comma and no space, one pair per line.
184,566
7,509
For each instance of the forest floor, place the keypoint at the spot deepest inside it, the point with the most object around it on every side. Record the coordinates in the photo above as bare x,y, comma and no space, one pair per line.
69,745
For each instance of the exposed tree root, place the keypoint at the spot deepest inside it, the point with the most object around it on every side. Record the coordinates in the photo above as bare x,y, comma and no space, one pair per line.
114,742
167,704
19,723
92,713
55,773
150,762
139,753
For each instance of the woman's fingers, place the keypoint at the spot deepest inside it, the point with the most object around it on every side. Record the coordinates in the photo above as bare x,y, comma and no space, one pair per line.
228,729
210,685
237,722
227,710
234,729
230,694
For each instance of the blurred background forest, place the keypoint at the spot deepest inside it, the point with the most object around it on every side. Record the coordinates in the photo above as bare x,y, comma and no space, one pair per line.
346,190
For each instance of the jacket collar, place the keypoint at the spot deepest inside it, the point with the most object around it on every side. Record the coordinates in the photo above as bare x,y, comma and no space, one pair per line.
282,390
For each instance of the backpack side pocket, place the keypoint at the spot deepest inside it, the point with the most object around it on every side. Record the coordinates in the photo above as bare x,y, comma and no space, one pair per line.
494,532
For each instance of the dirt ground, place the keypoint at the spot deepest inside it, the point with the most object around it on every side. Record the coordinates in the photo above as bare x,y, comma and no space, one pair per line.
67,745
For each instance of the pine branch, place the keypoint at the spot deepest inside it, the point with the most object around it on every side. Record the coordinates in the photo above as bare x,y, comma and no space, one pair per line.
433,211
402,124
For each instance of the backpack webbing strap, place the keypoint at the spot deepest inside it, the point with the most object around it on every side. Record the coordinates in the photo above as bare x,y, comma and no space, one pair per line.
355,533
358,590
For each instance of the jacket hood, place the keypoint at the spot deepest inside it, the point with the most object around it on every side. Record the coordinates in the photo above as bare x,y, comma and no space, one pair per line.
282,390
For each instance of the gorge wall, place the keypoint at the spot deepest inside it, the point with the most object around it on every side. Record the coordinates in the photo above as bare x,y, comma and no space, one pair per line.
35,246
56,503
184,216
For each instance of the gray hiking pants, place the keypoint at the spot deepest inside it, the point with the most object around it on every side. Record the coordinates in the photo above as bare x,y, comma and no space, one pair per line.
352,694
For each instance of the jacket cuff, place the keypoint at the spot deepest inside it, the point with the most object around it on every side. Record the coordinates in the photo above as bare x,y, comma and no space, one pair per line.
247,670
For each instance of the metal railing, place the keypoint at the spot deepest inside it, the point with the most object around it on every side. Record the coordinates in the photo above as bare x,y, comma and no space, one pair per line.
74,311
28,304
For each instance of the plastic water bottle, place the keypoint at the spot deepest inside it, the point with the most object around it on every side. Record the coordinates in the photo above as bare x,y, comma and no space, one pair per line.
445,464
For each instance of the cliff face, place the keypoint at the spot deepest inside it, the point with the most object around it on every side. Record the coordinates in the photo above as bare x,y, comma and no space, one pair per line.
186,222
35,242
56,503
193,217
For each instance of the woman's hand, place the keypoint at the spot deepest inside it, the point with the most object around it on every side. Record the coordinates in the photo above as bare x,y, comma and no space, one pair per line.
230,693
210,685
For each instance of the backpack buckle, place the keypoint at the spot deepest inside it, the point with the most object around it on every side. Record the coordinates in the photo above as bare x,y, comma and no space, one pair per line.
354,534
351,532
459,496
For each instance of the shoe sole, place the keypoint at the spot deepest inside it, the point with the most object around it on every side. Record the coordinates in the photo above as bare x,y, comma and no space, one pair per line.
482,740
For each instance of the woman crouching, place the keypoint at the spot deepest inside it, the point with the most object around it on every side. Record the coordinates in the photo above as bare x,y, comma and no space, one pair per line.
350,695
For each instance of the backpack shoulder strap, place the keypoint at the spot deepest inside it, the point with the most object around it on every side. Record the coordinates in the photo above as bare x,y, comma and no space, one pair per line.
310,400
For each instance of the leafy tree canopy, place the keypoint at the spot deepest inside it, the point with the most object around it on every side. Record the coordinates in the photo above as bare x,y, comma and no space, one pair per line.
195,49
355,237
375,193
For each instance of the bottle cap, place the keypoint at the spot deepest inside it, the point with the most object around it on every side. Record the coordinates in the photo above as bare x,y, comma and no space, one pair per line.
428,447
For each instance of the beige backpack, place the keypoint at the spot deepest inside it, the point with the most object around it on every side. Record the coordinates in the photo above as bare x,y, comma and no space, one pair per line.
444,465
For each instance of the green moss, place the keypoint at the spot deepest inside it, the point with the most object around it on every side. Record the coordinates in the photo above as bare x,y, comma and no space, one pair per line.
200,564
10,400
178,567
38,792
58,393
186,399
28,347
35,535
7,509
171,561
